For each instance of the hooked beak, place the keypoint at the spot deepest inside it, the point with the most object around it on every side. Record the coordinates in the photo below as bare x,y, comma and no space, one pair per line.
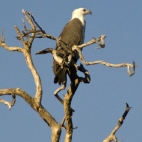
88,12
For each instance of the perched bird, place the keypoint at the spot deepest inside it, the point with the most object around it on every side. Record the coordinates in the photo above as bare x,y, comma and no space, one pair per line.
72,34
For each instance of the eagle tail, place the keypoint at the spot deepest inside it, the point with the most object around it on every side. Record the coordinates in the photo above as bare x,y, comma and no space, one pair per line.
60,73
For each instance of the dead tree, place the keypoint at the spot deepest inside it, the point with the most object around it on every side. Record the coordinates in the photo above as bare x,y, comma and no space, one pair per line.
27,37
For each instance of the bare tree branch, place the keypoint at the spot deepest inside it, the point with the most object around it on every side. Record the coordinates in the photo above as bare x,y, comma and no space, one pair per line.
75,80
100,42
19,92
29,19
11,48
27,53
9,104
42,31
35,102
105,63
67,111
30,64
112,136
35,74
19,35
45,115
28,58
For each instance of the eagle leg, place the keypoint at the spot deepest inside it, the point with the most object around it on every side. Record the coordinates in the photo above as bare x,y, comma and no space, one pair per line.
60,88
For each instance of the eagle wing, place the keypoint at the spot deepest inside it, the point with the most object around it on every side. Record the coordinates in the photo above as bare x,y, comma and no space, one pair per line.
72,34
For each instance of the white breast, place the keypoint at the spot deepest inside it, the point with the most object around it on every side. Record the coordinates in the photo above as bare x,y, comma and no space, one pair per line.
84,26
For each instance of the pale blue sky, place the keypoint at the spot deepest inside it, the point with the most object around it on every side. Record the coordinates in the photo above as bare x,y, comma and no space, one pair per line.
98,105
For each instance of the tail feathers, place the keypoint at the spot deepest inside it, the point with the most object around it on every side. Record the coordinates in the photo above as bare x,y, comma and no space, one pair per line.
60,73
56,79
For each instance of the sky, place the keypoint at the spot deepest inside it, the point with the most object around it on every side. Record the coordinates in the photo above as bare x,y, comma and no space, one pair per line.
97,105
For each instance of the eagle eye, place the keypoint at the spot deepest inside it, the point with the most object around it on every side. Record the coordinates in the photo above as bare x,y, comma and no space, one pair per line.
84,10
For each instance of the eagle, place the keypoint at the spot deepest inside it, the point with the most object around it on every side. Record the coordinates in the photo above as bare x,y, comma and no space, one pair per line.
64,57
73,33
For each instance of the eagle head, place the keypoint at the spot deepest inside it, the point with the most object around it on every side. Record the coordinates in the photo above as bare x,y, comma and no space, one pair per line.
80,12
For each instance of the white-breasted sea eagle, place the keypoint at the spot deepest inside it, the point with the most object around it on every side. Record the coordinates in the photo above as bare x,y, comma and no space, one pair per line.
72,34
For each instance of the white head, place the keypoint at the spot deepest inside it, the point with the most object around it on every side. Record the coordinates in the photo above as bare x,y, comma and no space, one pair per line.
80,13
